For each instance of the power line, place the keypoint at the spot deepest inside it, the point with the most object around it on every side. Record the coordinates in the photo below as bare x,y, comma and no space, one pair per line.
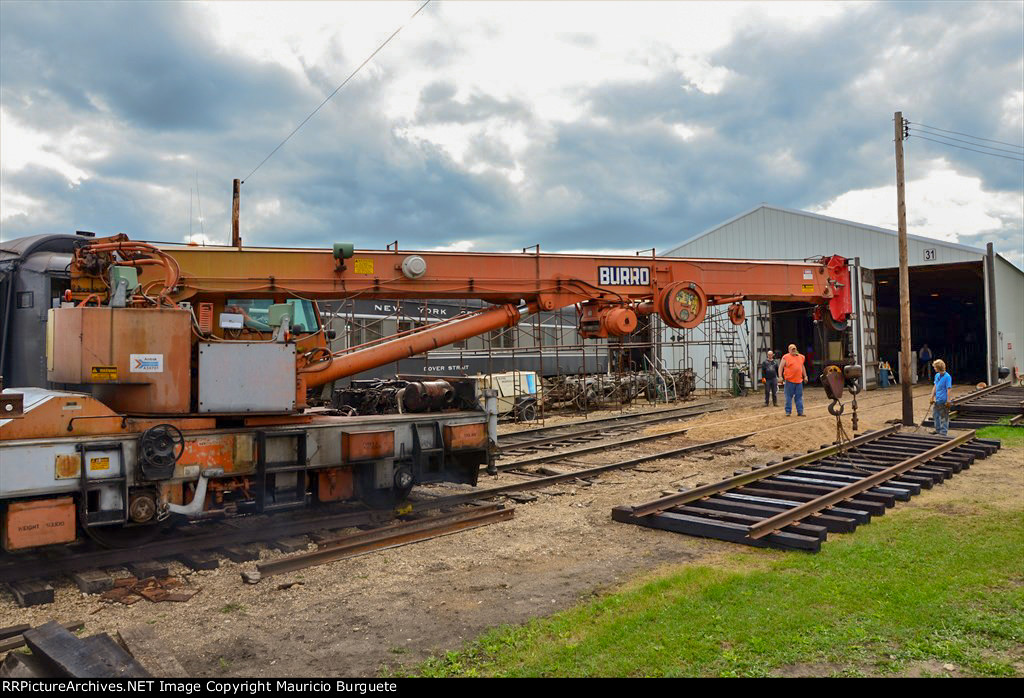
995,155
336,89
961,140
979,138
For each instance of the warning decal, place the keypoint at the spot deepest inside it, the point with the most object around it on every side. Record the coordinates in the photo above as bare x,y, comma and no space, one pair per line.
103,373
99,463
807,288
362,266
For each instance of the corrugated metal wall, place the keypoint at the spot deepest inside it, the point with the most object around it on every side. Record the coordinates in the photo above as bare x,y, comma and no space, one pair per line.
772,233
769,232
1009,314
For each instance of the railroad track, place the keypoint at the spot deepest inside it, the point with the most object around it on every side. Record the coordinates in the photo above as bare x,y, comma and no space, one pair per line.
553,437
29,576
986,407
795,503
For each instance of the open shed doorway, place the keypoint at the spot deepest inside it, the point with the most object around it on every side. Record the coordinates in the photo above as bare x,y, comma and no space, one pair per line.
947,312
793,323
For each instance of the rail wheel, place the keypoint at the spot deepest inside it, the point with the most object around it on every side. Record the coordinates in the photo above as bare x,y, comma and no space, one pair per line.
385,498
126,535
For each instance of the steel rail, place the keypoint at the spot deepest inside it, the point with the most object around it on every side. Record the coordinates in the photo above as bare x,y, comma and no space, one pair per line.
391,537
774,523
15,569
576,474
670,501
964,399
589,449
640,420
609,420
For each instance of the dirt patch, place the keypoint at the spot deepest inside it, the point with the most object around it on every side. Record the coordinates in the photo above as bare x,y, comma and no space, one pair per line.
396,607
804,671
915,670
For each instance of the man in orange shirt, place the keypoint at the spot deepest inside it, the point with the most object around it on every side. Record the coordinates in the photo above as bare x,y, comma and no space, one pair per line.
795,375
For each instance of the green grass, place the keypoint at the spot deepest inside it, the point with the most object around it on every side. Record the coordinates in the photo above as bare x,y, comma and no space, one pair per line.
912,589
1012,437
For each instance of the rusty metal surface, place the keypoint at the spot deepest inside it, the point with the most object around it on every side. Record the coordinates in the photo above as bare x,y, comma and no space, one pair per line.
106,348
39,522
367,445
390,537
462,436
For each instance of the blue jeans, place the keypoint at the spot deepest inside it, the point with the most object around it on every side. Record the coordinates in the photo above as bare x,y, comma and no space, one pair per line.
940,416
794,390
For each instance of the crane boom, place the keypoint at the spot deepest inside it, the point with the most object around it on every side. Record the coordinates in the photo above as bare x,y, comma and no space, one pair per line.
610,291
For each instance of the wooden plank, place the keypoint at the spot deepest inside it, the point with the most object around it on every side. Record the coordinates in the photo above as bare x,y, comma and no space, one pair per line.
32,592
64,654
93,581
12,630
143,644
290,545
148,568
16,641
721,530
21,666
834,524
200,560
118,662
241,553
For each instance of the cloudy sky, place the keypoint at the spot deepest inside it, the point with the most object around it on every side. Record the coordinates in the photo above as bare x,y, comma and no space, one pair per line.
598,126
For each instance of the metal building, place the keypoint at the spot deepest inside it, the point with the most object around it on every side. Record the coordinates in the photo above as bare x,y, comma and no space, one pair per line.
966,303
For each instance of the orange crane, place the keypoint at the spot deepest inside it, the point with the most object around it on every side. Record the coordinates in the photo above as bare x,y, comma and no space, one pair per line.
191,366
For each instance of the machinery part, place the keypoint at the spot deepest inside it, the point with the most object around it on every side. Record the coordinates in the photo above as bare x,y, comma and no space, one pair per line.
160,447
142,506
835,408
832,380
682,305
126,535
195,507
600,321
424,396
526,409
737,314
414,266
404,480
384,497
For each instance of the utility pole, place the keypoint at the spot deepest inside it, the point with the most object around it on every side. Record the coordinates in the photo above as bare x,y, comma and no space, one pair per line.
236,239
906,365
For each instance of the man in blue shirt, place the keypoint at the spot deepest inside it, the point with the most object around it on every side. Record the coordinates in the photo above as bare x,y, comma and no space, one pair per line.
940,397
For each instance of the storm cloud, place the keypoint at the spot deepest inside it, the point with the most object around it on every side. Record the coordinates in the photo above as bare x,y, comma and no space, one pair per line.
619,136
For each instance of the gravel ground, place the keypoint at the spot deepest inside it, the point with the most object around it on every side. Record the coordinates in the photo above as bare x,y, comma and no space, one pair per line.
396,607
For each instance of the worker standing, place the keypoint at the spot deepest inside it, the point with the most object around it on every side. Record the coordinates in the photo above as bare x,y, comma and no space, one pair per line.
770,376
794,375
925,357
940,398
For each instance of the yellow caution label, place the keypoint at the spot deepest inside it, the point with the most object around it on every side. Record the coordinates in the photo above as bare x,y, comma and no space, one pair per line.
103,373
99,463
807,288
362,266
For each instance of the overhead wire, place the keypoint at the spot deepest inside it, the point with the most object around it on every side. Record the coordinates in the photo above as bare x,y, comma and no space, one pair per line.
951,145
978,138
961,140
336,90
